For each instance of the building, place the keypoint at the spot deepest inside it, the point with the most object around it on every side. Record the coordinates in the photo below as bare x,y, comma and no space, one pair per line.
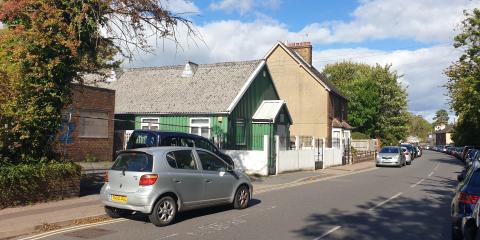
234,103
443,134
87,129
317,107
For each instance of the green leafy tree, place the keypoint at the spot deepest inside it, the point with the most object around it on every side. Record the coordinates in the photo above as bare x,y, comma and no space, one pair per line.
49,44
377,101
419,127
441,117
464,81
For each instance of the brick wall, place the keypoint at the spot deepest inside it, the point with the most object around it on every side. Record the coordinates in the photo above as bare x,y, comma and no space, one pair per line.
72,145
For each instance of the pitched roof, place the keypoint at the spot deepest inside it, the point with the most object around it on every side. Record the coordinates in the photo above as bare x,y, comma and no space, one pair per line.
269,110
213,88
321,78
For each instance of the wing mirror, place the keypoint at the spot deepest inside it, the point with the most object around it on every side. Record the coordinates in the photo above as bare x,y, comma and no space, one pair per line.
229,168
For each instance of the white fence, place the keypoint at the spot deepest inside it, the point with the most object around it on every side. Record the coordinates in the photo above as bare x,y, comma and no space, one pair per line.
295,160
332,157
251,162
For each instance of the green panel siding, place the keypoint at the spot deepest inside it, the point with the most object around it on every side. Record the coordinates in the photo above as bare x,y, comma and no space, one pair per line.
260,130
261,89
175,123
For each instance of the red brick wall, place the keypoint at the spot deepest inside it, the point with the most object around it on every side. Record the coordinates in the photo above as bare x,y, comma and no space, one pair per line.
93,99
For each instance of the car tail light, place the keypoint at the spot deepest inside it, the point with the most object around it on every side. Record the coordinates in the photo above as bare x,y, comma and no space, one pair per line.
468,198
105,178
148,179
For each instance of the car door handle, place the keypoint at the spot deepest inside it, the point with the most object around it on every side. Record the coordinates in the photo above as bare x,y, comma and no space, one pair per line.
177,180
208,180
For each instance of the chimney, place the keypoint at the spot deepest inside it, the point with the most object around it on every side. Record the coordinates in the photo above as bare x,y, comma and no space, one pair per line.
304,49
190,69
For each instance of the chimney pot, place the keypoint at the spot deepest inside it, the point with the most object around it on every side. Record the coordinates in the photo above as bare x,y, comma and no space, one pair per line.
304,49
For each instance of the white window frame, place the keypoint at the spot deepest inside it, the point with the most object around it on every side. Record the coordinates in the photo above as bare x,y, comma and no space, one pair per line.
200,126
149,124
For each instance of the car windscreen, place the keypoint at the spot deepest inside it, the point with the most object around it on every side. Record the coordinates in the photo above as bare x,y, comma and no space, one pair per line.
142,140
133,162
389,150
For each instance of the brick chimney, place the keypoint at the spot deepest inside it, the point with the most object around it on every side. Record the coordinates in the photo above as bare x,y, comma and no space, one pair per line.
304,49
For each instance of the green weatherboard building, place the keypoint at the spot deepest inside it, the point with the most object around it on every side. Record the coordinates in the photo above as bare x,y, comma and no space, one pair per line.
234,103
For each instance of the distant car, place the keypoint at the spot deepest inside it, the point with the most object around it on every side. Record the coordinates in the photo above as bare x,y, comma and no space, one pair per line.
391,156
161,181
152,138
411,149
466,197
419,150
408,155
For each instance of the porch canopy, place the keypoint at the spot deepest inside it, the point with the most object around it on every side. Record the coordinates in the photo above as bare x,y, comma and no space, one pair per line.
269,111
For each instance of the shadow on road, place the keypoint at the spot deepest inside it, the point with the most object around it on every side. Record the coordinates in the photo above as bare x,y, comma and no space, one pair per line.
397,219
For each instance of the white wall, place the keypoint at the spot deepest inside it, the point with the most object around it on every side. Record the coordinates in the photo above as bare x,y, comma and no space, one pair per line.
332,157
251,162
295,160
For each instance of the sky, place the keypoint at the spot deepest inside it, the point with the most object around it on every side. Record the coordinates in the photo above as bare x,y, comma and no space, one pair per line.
414,36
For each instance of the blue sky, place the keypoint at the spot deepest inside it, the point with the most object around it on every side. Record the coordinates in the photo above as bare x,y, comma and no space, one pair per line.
414,36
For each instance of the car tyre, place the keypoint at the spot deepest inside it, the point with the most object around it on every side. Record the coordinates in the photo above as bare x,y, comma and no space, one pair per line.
116,212
456,234
163,212
242,198
409,163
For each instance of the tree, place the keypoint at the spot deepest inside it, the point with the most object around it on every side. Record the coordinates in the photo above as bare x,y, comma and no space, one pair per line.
377,101
441,118
464,81
419,127
49,44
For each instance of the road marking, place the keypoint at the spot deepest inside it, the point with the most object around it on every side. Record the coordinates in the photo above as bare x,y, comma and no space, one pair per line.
328,233
71,229
429,175
169,236
421,180
436,167
386,201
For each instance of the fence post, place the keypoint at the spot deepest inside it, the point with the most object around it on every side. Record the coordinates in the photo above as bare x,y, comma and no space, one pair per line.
277,150
266,149
323,153
297,142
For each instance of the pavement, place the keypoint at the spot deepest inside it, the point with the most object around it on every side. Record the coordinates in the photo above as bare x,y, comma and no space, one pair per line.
20,221
412,202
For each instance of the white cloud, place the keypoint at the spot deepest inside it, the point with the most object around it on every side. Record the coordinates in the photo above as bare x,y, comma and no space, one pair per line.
424,21
243,6
181,6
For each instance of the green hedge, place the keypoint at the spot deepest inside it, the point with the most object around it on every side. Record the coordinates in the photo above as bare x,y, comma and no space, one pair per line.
35,182
359,135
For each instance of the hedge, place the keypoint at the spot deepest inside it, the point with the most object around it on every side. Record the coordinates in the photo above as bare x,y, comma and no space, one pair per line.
38,182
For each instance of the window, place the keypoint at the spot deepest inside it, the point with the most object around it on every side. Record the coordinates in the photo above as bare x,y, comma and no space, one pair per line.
141,140
200,126
150,123
133,162
240,132
182,159
211,162
336,139
200,143
93,124
171,141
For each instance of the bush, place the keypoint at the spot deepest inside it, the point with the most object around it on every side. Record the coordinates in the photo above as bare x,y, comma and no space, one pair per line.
359,135
90,158
36,182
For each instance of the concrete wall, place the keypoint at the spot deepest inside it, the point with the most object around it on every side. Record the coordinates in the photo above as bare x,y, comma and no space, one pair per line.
295,160
306,98
251,162
332,157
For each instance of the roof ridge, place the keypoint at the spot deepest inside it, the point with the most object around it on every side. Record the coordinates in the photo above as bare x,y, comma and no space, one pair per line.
199,65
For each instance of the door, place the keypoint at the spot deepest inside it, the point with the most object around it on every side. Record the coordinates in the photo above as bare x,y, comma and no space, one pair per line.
185,176
218,183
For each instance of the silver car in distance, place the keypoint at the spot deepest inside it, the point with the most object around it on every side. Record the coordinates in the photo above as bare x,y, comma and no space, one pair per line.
163,181
391,156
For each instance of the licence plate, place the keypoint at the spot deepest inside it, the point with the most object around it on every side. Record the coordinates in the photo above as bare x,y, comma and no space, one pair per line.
119,198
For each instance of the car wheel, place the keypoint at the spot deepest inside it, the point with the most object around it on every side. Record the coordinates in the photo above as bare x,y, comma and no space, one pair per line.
242,198
116,212
456,234
409,163
163,212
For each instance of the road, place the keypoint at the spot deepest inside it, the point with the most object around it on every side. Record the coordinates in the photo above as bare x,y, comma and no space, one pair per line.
384,203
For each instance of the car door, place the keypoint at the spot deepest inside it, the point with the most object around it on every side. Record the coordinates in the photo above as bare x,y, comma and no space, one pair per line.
186,177
218,183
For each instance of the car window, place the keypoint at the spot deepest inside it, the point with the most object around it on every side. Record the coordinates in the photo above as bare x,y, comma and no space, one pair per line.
186,142
133,162
389,150
142,140
170,141
200,143
211,162
181,159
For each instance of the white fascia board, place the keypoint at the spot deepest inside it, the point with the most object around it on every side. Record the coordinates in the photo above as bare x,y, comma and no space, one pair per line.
245,86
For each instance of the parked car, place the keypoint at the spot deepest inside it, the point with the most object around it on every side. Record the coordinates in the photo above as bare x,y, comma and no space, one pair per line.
419,150
466,197
411,149
162,181
391,156
408,155
152,138
471,156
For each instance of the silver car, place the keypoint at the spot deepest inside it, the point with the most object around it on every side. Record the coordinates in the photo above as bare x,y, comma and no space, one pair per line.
391,156
162,181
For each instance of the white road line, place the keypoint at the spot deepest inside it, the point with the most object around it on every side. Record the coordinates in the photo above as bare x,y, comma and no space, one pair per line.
386,201
328,233
429,175
421,180
169,236
436,167
71,229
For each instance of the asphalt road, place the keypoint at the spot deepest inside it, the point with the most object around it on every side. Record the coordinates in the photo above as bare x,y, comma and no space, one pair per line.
412,202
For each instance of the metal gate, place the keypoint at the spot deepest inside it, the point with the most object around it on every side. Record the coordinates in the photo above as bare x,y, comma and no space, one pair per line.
318,153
